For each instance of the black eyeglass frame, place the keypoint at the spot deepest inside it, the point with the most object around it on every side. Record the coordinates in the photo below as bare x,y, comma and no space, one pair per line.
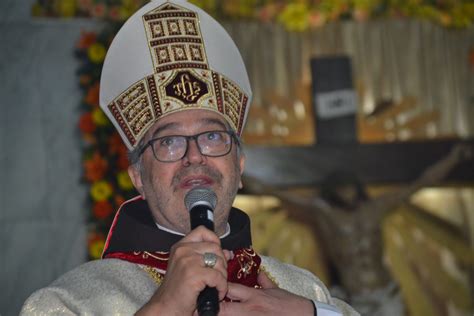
233,137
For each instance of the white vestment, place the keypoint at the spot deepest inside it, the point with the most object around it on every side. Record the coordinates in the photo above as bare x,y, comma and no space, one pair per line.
117,287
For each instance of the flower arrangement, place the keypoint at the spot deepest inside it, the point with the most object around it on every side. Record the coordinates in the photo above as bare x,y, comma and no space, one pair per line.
113,10
105,159
295,15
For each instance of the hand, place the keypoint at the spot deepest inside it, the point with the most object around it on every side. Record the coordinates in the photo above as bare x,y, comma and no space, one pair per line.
270,300
187,276
438,171
461,152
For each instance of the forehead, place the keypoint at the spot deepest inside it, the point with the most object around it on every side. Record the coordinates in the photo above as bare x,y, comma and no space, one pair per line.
189,121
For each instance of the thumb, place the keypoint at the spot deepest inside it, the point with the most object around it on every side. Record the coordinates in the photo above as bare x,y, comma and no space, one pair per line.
265,281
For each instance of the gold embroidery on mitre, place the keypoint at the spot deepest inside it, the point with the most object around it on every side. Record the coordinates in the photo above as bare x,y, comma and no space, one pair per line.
234,102
181,79
186,87
174,38
136,109
133,111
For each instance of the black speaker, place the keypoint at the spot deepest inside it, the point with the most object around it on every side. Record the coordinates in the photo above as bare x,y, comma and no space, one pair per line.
334,100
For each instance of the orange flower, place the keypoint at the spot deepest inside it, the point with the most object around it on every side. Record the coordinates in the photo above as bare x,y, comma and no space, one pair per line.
86,40
360,14
102,209
267,13
316,19
95,167
92,97
86,124
115,144
122,161
114,13
98,10
119,200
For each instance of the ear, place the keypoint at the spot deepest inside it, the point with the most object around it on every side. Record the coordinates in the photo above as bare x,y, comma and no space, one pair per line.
136,178
242,167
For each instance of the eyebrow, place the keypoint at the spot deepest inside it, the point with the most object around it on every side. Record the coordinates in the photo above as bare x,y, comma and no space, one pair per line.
205,121
163,127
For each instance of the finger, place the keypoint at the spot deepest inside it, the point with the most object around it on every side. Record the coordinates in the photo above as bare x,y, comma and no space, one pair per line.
229,255
181,287
214,278
185,261
202,247
239,292
196,259
198,246
265,281
201,233
230,308
221,266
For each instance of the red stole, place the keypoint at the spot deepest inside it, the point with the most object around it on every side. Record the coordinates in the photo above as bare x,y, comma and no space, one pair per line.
243,268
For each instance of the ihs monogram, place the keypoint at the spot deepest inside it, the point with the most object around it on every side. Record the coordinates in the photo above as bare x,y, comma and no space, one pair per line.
187,89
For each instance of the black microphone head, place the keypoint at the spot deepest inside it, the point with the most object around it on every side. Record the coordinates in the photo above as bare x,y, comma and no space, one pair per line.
199,196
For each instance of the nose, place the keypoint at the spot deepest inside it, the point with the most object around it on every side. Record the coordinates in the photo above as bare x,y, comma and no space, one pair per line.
193,154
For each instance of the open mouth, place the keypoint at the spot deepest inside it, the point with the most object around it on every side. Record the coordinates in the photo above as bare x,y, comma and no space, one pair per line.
196,181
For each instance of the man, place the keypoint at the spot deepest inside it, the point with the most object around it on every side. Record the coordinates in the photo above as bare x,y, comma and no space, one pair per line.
175,87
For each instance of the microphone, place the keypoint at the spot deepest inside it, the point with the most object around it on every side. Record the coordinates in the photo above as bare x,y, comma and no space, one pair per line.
200,203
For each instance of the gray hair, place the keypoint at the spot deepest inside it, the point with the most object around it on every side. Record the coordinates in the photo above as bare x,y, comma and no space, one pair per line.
134,156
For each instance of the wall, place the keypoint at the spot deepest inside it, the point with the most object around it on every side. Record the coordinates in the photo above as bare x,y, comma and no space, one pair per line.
42,203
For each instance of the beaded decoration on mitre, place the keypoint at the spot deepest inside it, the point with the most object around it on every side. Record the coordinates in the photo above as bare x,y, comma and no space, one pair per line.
171,56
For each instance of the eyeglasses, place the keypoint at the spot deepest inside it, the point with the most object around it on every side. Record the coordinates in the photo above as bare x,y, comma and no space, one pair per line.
174,147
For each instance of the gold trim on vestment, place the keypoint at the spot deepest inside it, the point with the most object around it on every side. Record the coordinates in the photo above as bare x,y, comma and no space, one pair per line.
153,273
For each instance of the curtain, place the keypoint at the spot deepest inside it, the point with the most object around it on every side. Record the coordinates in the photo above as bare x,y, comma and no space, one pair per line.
391,60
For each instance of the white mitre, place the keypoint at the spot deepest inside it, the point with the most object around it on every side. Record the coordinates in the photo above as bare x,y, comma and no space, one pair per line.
172,56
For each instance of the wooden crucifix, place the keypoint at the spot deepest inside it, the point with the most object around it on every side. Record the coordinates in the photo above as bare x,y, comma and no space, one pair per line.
338,130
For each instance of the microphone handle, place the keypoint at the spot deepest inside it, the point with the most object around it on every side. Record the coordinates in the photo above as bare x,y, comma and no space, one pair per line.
208,299
202,215
208,302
